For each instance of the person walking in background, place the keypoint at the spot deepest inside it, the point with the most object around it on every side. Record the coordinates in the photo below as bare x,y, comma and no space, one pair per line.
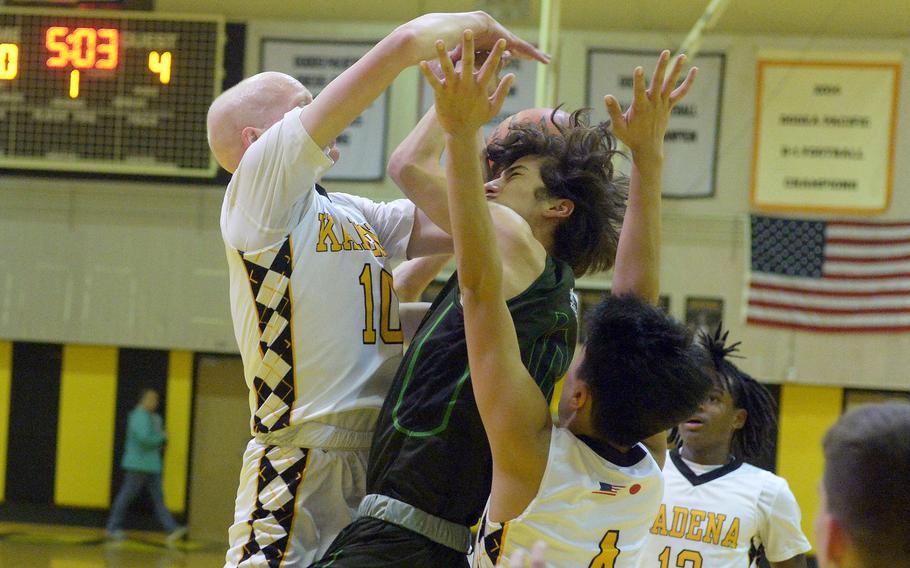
141,463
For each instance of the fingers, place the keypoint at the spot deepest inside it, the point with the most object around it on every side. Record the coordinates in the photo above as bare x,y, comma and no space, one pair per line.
455,54
681,90
638,87
520,48
617,120
491,65
657,80
467,51
448,69
431,77
524,50
670,81
499,96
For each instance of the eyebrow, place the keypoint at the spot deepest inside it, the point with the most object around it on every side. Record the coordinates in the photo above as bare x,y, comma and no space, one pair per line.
515,169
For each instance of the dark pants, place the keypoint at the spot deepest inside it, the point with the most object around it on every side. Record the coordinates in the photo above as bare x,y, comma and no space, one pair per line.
133,483
372,543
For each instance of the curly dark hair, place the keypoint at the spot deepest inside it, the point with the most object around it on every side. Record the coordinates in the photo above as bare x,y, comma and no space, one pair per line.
645,372
577,165
754,438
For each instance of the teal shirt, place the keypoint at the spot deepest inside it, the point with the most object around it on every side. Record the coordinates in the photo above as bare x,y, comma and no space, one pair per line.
144,439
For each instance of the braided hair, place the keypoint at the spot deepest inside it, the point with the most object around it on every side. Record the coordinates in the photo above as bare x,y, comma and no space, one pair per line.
754,438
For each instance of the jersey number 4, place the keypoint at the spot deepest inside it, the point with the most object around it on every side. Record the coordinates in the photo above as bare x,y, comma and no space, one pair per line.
608,551
386,295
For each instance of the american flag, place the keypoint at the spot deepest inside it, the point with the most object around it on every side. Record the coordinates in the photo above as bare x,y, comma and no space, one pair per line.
833,276
609,488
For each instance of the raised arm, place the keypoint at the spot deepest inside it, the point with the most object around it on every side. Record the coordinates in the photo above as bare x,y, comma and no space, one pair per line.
641,128
513,410
356,88
414,167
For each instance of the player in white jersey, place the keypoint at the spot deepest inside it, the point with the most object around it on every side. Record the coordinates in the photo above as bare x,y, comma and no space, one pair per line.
639,372
312,302
716,507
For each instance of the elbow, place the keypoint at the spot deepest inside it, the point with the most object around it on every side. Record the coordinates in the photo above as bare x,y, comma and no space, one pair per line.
404,172
397,166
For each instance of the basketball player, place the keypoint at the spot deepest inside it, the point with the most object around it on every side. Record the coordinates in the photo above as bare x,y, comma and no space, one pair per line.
312,303
429,471
585,488
862,516
715,506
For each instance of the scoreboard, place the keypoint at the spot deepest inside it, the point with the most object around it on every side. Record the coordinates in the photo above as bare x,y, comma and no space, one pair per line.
107,92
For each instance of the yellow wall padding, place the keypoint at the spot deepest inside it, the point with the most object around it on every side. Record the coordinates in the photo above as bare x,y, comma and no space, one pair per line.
6,380
85,428
178,424
806,413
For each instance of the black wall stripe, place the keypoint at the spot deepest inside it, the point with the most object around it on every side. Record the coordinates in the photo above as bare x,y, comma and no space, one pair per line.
137,370
234,50
34,409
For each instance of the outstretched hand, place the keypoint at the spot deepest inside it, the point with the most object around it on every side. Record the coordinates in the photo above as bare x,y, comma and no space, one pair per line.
643,125
487,31
463,102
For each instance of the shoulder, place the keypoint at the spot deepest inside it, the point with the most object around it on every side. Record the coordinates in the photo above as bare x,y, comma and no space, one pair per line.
511,226
284,143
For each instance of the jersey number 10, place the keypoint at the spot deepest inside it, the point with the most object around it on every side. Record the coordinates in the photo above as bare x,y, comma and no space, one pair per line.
386,294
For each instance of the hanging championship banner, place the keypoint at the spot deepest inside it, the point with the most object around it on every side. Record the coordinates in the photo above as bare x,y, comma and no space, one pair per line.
690,144
520,97
316,64
825,132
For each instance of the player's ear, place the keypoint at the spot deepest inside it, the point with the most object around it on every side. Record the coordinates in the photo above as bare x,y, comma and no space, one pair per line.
836,542
740,415
580,394
249,135
560,209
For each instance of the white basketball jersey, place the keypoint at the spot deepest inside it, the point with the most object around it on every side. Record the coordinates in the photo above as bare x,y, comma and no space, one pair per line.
712,519
590,510
313,308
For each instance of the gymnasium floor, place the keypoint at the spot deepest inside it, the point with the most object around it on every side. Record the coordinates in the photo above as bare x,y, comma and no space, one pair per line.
43,546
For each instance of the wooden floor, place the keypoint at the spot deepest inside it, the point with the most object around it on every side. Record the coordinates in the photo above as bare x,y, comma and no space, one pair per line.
43,546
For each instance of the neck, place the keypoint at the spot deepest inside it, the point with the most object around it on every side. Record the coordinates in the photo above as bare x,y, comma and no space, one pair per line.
543,232
715,455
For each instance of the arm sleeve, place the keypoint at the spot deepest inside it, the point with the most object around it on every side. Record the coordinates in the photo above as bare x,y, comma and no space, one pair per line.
273,185
392,221
141,428
780,530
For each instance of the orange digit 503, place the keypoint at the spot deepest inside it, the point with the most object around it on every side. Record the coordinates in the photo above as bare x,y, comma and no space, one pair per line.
83,48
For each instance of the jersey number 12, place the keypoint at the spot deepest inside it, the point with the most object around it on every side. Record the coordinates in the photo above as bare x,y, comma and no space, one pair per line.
386,295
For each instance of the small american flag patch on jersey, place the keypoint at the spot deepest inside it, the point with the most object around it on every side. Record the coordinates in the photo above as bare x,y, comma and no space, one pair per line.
609,488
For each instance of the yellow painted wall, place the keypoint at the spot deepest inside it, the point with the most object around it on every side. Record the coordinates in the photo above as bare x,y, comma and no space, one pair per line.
6,377
178,423
85,429
806,413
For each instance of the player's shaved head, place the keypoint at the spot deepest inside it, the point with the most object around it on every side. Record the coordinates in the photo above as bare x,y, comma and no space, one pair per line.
240,114
553,120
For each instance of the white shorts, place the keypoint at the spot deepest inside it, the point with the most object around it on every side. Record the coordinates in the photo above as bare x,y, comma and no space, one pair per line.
291,504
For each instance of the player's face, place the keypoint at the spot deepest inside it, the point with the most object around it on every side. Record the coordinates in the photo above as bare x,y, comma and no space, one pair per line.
518,187
715,422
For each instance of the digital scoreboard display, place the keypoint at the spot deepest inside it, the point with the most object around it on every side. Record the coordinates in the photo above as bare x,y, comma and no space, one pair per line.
107,92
